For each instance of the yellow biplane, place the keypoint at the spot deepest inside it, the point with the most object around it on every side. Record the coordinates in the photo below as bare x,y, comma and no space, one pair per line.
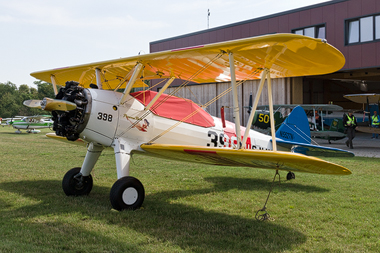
89,106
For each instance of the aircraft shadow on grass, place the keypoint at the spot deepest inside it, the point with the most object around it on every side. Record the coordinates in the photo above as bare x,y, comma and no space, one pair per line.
251,184
180,222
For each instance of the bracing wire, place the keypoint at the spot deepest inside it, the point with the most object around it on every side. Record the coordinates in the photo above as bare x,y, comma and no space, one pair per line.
155,106
255,72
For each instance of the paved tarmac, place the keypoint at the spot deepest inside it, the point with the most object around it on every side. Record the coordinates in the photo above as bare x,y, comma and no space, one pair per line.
363,145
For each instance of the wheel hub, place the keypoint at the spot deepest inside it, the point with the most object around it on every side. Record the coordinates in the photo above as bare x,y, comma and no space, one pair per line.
130,196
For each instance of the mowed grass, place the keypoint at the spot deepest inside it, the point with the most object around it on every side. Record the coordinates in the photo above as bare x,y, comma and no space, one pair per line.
187,208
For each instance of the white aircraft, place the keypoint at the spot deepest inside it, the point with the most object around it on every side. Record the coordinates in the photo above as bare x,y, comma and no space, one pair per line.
165,126
31,123
3,122
7,121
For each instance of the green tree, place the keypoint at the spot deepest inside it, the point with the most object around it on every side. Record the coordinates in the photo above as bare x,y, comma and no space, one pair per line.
8,105
44,89
12,98
7,87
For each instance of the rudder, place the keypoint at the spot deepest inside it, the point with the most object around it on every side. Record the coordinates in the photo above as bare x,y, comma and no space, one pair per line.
295,128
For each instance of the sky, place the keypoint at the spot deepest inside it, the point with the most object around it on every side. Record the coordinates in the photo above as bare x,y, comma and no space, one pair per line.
38,35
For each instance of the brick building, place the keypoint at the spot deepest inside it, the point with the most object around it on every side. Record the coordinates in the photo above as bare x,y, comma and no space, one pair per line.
352,26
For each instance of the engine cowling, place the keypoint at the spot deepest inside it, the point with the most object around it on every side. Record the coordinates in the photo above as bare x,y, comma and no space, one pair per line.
70,124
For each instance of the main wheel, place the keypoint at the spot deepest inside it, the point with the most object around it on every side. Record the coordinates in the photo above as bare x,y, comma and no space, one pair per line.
127,193
74,184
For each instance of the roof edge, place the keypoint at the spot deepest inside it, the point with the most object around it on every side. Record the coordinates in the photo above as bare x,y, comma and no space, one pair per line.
250,20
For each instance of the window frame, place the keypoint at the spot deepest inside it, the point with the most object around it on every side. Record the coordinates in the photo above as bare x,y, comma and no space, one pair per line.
316,29
347,23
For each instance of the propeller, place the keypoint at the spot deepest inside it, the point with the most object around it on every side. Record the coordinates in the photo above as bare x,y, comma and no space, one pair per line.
49,104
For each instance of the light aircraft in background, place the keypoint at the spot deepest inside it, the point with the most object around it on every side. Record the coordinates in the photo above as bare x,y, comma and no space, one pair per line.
7,121
31,123
366,99
317,114
161,125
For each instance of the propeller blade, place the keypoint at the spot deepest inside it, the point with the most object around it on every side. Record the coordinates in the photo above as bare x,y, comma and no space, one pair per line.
49,104
33,103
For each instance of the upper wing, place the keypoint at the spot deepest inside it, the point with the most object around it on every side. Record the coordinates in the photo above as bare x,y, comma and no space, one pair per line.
285,55
246,158
364,98
322,107
38,117
317,107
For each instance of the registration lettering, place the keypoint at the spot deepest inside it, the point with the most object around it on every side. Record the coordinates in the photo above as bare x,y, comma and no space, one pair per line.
286,135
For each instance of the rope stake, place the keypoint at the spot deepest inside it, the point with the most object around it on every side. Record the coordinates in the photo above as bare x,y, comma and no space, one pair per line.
262,214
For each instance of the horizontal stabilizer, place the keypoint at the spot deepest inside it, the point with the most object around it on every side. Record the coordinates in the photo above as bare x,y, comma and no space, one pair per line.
313,150
264,159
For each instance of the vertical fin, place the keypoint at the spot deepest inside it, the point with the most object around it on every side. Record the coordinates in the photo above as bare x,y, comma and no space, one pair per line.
295,128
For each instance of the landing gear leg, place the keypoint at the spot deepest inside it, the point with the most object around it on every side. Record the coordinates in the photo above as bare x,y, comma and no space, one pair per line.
78,181
127,192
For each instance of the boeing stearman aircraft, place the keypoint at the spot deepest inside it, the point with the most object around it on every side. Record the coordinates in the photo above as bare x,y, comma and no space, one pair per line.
88,106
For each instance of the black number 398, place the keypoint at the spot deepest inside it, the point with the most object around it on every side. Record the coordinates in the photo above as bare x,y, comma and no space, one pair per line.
104,117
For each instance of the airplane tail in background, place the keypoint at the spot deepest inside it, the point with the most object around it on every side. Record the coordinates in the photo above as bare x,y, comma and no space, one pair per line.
295,128
294,134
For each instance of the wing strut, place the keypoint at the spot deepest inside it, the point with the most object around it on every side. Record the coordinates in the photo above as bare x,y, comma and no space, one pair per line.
54,82
254,106
264,76
159,93
98,79
271,114
235,100
129,86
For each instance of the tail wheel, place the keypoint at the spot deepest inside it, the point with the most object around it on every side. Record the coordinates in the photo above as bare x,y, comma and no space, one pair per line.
290,176
127,193
74,184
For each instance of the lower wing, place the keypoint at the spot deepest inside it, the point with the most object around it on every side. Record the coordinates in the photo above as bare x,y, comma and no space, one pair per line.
78,142
245,158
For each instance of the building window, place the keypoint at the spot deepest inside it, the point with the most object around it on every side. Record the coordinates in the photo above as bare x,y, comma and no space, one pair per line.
353,32
363,29
377,27
318,31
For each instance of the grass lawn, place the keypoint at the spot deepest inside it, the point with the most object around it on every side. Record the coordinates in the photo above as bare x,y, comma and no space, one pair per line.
187,208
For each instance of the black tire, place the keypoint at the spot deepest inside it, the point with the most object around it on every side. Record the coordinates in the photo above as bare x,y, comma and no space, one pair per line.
74,184
290,176
127,193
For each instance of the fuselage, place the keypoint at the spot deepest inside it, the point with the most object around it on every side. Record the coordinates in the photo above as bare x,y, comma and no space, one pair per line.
106,121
